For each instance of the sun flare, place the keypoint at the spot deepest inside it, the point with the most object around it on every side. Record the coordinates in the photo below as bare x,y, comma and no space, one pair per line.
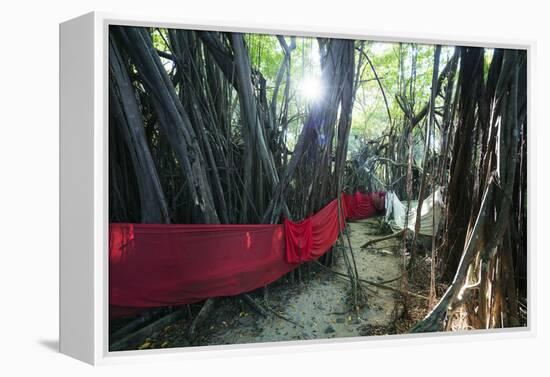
311,88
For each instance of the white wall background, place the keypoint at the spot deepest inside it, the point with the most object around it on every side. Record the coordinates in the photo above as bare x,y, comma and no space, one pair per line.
29,184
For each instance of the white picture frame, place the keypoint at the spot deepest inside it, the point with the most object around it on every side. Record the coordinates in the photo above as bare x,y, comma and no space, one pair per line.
84,187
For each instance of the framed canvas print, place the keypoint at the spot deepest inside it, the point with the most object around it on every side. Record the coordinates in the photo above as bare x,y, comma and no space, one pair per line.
240,186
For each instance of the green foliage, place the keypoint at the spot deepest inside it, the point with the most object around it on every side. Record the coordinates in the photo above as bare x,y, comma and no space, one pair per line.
265,54
159,37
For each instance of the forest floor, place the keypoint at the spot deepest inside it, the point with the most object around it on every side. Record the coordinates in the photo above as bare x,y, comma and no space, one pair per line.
316,308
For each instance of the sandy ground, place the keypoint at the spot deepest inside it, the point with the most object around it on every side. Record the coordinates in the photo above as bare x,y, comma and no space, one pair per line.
317,308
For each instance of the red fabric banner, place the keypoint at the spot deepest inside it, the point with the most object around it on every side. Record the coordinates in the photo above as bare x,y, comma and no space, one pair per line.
309,239
153,265
165,265
362,206
299,240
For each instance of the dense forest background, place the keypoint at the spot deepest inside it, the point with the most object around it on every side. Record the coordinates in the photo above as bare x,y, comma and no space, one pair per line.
209,127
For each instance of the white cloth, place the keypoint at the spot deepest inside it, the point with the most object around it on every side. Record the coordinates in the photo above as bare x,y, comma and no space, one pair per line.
396,213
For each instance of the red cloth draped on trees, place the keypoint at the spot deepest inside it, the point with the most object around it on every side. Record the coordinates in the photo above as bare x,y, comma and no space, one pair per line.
309,239
362,206
299,240
152,265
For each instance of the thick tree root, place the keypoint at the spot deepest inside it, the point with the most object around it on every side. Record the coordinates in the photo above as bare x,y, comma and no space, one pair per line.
389,237
141,321
254,304
140,335
206,309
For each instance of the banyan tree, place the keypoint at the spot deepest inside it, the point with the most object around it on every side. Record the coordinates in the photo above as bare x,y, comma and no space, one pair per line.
225,128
